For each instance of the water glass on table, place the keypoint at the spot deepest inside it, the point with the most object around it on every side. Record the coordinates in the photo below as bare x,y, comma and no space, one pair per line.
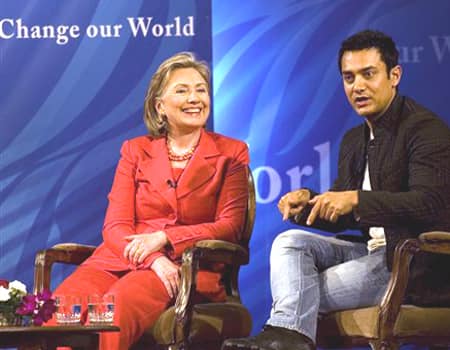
101,309
68,309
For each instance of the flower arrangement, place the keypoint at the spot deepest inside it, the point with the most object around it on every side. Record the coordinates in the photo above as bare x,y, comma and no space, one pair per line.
16,306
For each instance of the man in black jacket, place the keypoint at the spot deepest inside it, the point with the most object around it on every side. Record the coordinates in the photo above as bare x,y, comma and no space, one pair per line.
393,183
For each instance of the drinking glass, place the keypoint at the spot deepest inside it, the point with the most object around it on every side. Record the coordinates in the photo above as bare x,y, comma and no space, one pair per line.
68,309
101,309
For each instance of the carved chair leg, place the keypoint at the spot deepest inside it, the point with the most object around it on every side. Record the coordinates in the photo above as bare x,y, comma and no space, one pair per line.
203,346
384,345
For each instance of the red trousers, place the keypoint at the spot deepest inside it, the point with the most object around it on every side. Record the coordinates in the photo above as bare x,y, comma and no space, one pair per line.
140,298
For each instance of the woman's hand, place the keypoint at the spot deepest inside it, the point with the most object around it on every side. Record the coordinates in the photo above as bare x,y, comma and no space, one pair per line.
142,245
168,273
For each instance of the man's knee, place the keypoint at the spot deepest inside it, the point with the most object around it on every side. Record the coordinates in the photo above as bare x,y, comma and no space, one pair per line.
293,240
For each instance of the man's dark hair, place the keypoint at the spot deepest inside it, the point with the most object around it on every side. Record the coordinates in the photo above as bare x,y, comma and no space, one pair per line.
368,39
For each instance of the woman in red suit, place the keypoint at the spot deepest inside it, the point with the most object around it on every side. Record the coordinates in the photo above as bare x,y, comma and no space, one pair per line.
179,185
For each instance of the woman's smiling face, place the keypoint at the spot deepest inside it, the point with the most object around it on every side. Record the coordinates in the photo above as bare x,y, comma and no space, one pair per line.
185,101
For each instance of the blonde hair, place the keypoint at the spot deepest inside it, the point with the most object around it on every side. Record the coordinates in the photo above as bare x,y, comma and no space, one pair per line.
156,123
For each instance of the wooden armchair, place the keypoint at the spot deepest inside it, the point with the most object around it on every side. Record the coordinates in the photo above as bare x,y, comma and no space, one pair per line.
390,324
185,325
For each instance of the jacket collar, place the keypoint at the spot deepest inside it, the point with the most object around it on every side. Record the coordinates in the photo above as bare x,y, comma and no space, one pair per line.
200,168
389,120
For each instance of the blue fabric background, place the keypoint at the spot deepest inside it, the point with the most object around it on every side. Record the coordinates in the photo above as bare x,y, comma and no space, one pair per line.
277,86
66,109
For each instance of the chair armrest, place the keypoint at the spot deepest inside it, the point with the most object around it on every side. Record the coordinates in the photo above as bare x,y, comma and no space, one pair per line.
222,252
432,242
435,242
216,251
66,253
69,253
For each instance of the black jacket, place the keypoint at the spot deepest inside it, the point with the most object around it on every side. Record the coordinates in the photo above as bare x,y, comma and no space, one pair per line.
409,166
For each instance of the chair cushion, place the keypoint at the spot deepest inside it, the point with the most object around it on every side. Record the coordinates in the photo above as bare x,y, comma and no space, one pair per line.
417,321
412,321
210,322
354,322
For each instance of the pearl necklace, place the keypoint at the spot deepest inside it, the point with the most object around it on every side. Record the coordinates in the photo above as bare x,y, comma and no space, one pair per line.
180,157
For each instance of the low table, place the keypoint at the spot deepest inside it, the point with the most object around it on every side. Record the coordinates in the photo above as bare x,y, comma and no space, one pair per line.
49,337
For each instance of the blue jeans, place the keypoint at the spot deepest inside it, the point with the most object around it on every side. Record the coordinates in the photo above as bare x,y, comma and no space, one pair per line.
312,274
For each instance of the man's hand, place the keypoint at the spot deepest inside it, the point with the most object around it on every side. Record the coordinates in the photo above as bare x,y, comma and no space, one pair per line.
142,245
331,205
168,273
292,203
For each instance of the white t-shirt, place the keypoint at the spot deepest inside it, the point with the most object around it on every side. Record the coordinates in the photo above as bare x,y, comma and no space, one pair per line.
376,233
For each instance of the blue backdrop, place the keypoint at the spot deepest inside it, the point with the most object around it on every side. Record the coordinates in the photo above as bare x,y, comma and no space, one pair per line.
69,100
73,81
277,86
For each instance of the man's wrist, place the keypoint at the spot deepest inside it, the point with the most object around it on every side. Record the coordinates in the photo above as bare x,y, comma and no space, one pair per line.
356,213
355,198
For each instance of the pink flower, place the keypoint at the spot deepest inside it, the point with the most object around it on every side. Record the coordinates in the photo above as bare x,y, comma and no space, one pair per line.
40,307
27,306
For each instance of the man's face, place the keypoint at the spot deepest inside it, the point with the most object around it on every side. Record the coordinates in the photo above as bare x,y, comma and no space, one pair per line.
368,86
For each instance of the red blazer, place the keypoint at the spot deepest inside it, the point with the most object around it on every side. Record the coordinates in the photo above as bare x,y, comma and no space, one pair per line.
209,201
